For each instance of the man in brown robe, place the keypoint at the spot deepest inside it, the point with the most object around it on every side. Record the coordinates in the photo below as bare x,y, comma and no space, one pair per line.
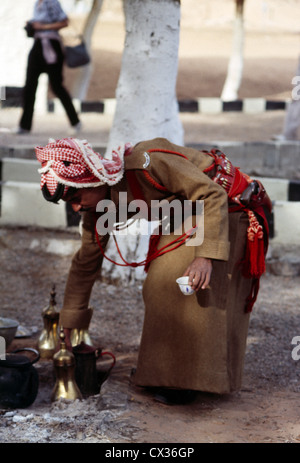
194,343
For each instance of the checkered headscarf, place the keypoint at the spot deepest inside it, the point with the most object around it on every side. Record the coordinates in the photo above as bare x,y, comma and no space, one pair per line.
70,162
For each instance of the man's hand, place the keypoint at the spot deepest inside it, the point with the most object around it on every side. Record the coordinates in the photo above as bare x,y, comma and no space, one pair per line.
199,272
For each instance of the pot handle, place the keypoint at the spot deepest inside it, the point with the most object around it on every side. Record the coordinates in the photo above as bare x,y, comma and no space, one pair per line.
30,350
112,356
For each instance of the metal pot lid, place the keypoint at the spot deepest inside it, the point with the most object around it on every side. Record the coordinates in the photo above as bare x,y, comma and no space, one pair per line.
19,361
15,361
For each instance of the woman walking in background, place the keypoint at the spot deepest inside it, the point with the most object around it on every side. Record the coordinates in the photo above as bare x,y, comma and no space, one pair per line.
46,56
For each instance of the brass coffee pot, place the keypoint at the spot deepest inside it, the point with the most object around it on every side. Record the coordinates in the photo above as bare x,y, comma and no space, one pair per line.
48,339
64,367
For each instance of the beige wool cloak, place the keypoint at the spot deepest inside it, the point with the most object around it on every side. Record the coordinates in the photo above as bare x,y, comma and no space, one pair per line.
191,342
198,341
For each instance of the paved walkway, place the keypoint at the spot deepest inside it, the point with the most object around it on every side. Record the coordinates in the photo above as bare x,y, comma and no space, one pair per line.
226,126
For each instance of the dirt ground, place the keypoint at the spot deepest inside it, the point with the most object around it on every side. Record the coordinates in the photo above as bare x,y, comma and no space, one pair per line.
267,408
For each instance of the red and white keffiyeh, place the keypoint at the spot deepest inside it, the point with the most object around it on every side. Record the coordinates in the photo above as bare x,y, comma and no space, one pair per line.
74,163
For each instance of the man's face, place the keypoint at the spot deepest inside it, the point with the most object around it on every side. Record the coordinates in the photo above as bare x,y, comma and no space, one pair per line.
86,199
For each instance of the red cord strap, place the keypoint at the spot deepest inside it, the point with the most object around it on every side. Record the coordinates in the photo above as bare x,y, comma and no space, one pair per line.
152,254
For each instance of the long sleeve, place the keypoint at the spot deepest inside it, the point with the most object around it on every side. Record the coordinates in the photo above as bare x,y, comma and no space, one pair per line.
83,272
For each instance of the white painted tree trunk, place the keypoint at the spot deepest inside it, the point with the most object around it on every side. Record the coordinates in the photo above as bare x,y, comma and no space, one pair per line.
83,75
146,105
236,62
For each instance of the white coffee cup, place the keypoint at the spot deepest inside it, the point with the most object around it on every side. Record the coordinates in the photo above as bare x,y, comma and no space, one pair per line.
185,288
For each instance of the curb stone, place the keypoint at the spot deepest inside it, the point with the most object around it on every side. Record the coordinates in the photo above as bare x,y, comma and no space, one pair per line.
205,105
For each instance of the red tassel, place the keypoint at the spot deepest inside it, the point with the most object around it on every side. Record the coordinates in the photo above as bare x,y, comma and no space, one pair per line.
254,263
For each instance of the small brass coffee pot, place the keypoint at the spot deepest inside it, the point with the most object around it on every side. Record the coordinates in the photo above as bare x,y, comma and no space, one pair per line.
64,367
48,339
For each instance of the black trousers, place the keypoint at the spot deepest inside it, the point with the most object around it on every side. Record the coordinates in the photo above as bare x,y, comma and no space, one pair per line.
35,67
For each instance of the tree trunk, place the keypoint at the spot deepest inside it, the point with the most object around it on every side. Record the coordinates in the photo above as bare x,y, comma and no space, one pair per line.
146,105
235,67
83,75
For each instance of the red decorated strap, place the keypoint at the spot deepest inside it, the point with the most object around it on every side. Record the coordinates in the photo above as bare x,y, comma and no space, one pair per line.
227,175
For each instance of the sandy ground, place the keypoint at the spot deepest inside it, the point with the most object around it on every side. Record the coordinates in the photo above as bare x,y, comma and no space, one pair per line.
265,410
267,407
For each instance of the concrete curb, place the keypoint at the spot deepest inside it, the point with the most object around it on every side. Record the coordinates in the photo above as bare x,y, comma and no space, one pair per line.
216,105
205,105
199,105
26,151
267,159
285,218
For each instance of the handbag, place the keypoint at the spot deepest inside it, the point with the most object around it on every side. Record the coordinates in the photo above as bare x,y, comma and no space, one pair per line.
29,29
76,56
